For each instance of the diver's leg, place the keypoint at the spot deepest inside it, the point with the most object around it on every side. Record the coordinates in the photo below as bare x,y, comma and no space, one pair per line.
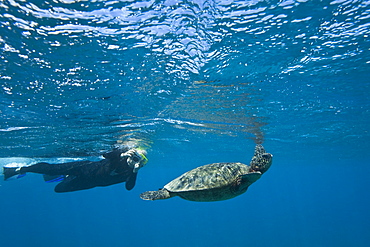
37,168
44,168
70,184
70,168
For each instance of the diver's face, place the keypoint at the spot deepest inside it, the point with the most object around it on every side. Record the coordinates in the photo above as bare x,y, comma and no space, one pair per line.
136,159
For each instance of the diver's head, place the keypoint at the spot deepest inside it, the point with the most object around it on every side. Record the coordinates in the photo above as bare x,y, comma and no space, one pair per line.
136,158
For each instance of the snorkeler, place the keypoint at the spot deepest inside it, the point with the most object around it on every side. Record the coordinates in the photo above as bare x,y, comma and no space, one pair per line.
120,165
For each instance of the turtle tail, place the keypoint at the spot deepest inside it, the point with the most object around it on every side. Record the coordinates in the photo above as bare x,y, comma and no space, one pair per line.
155,195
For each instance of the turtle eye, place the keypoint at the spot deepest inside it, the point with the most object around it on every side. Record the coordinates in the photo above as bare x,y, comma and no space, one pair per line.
135,158
266,156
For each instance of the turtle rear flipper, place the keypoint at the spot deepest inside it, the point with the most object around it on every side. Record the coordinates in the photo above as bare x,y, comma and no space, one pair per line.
155,195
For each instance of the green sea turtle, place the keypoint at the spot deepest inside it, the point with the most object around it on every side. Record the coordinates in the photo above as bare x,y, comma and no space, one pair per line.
215,182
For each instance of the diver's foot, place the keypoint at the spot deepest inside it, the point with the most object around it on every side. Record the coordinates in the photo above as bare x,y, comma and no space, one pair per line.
10,172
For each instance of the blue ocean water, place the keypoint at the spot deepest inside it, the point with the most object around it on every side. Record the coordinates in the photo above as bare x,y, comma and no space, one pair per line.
194,82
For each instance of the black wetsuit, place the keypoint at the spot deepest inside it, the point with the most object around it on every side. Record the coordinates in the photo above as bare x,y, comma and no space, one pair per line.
82,175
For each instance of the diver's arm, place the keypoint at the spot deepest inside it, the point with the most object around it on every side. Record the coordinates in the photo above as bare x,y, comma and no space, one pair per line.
115,153
131,180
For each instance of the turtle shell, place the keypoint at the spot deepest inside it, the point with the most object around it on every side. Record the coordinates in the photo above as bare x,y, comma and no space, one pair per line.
207,177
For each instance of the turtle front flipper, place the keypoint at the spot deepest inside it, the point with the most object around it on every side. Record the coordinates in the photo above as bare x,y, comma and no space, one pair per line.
155,195
250,178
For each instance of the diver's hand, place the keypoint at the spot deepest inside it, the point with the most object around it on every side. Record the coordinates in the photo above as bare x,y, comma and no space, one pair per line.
135,158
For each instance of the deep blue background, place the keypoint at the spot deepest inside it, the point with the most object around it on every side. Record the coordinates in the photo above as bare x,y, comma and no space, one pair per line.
303,203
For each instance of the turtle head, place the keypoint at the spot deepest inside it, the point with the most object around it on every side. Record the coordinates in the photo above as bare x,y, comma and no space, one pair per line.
261,160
